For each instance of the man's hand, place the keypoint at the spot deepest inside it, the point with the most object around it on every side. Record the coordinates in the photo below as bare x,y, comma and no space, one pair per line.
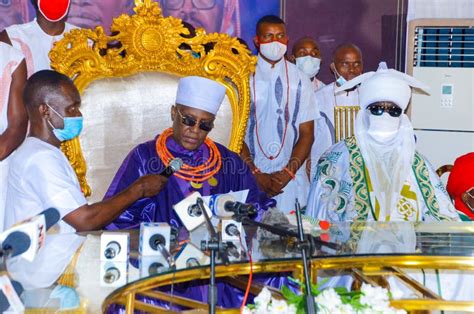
149,185
264,181
279,180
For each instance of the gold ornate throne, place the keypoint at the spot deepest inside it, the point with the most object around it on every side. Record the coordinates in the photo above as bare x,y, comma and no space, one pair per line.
128,82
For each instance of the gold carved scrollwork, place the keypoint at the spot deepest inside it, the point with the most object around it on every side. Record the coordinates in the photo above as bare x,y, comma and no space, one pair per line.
148,42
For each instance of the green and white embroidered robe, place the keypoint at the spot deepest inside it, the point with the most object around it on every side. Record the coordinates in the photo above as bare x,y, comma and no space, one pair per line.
341,190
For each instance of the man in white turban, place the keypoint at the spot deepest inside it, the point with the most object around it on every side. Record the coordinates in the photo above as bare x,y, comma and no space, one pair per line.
377,175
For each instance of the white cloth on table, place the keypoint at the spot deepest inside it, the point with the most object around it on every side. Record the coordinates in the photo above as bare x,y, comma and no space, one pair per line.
35,44
269,118
10,58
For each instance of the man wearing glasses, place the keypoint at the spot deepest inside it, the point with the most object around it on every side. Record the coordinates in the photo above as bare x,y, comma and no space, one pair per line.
209,167
220,16
377,175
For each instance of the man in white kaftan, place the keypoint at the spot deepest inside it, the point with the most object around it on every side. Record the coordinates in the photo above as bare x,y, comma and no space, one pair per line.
377,175
346,64
280,126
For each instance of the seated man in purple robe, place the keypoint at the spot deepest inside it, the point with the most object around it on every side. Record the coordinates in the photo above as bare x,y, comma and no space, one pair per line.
209,168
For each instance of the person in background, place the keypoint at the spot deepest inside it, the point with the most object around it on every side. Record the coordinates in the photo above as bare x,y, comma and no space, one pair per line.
346,64
13,118
281,121
461,186
36,38
377,174
307,57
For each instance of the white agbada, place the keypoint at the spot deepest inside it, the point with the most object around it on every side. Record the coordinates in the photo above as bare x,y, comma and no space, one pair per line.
360,179
10,58
324,134
363,179
34,43
267,120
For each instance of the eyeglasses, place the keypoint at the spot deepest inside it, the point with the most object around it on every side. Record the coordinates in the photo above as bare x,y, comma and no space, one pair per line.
468,198
198,4
378,109
190,121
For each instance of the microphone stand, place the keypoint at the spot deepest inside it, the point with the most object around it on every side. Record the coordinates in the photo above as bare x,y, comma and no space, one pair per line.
215,247
304,246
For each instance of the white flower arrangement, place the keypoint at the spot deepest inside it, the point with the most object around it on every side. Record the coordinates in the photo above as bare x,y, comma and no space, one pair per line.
373,300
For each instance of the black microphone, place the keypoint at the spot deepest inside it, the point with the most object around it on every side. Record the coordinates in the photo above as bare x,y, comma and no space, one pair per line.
240,209
173,166
51,217
15,243
4,304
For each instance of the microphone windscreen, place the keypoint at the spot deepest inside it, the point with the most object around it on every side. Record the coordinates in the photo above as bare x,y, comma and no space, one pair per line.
51,217
18,242
4,304
222,204
176,164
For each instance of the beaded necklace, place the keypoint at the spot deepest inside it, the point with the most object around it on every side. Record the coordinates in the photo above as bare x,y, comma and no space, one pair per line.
193,174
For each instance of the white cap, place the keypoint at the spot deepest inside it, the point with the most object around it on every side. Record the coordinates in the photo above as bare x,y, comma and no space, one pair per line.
200,93
384,85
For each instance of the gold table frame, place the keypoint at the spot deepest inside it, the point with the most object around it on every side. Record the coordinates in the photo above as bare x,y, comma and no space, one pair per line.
364,268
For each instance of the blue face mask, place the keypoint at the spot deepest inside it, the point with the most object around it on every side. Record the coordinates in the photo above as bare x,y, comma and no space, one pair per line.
72,127
340,80
68,297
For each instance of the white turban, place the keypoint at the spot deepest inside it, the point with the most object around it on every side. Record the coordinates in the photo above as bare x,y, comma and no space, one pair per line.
384,85
200,93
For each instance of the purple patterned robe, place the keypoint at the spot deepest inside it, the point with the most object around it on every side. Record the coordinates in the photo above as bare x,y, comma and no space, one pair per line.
234,175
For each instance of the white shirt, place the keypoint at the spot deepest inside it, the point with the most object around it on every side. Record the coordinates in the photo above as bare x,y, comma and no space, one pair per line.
34,43
317,84
324,134
41,177
10,58
267,123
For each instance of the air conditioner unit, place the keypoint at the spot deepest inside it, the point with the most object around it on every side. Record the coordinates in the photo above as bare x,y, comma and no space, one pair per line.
441,54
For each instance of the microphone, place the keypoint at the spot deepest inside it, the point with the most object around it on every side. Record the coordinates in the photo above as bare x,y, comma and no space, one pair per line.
15,243
112,249
240,209
172,167
4,302
51,217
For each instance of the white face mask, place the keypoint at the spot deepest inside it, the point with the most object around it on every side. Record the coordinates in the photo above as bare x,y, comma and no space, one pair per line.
273,51
383,128
309,65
